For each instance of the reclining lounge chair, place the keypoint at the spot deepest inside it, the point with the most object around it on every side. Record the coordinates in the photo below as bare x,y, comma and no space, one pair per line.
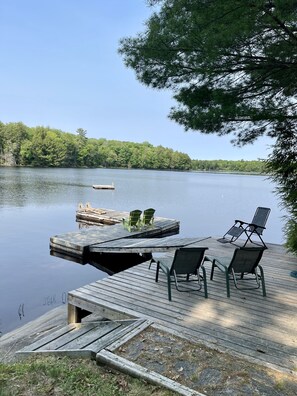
255,228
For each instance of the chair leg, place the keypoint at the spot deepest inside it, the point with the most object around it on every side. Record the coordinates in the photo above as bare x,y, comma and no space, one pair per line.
168,279
157,271
212,269
262,241
227,282
204,282
262,280
169,285
151,262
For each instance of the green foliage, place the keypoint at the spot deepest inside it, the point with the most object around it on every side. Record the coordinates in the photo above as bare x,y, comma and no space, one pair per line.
46,147
63,376
229,166
282,164
11,137
230,63
232,67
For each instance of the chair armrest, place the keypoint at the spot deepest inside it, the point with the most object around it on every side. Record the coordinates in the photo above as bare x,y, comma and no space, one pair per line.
257,226
165,264
209,258
221,262
240,221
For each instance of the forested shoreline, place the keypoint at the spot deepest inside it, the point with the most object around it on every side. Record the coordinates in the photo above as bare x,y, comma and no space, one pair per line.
41,146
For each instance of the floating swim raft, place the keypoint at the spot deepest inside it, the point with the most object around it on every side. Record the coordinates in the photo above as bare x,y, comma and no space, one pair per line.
93,216
104,186
78,243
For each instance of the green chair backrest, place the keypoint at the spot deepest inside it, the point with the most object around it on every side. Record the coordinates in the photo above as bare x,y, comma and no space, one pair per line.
246,259
148,216
134,217
187,260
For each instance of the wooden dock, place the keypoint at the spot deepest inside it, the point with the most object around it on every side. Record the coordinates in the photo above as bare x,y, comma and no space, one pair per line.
144,245
85,340
78,243
261,329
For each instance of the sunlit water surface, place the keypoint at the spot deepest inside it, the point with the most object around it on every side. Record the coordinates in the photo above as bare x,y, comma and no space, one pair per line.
36,204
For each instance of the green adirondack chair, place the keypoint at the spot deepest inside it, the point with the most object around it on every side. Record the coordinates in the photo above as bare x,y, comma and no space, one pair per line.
133,222
184,267
148,217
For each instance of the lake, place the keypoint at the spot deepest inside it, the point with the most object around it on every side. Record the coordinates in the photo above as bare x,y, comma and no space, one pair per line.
36,204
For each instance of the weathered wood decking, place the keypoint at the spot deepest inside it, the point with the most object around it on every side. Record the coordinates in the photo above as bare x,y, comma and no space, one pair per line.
256,327
85,339
78,243
144,245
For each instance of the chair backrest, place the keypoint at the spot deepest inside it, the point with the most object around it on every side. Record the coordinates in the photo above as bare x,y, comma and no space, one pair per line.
187,260
148,216
260,218
246,259
134,217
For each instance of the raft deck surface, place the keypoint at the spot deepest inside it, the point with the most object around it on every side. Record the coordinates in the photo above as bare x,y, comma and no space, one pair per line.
247,324
77,243
143,245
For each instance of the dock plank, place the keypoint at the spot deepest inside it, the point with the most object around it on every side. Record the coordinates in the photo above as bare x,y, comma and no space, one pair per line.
260,328
144,245
86,339
79,242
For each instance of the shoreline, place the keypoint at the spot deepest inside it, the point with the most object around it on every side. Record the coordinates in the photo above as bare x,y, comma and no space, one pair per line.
30,332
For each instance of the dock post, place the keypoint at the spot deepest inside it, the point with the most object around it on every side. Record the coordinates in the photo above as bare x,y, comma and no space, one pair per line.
76,314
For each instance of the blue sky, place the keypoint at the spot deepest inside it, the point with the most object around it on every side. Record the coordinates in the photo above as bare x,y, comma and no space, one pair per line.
60,67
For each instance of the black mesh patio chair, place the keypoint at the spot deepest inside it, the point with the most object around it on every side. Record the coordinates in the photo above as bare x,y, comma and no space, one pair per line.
249,230
184,267
245,261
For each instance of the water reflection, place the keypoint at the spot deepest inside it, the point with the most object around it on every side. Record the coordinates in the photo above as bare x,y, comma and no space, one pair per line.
36,204
110,263
21,311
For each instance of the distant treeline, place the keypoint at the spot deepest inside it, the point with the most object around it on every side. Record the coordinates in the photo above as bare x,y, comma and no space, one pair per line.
229,166
46,147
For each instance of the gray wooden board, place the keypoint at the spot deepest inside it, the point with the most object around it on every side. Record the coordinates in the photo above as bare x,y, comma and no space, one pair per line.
72,337
208,323
80,240
209,333
106,341
260,312
145,245
89,337
53,336
86,339
271,305
264,328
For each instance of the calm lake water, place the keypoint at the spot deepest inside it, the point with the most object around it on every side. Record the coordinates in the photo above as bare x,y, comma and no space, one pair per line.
36,204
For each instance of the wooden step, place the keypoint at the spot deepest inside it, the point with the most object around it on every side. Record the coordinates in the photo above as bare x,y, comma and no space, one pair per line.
86,339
